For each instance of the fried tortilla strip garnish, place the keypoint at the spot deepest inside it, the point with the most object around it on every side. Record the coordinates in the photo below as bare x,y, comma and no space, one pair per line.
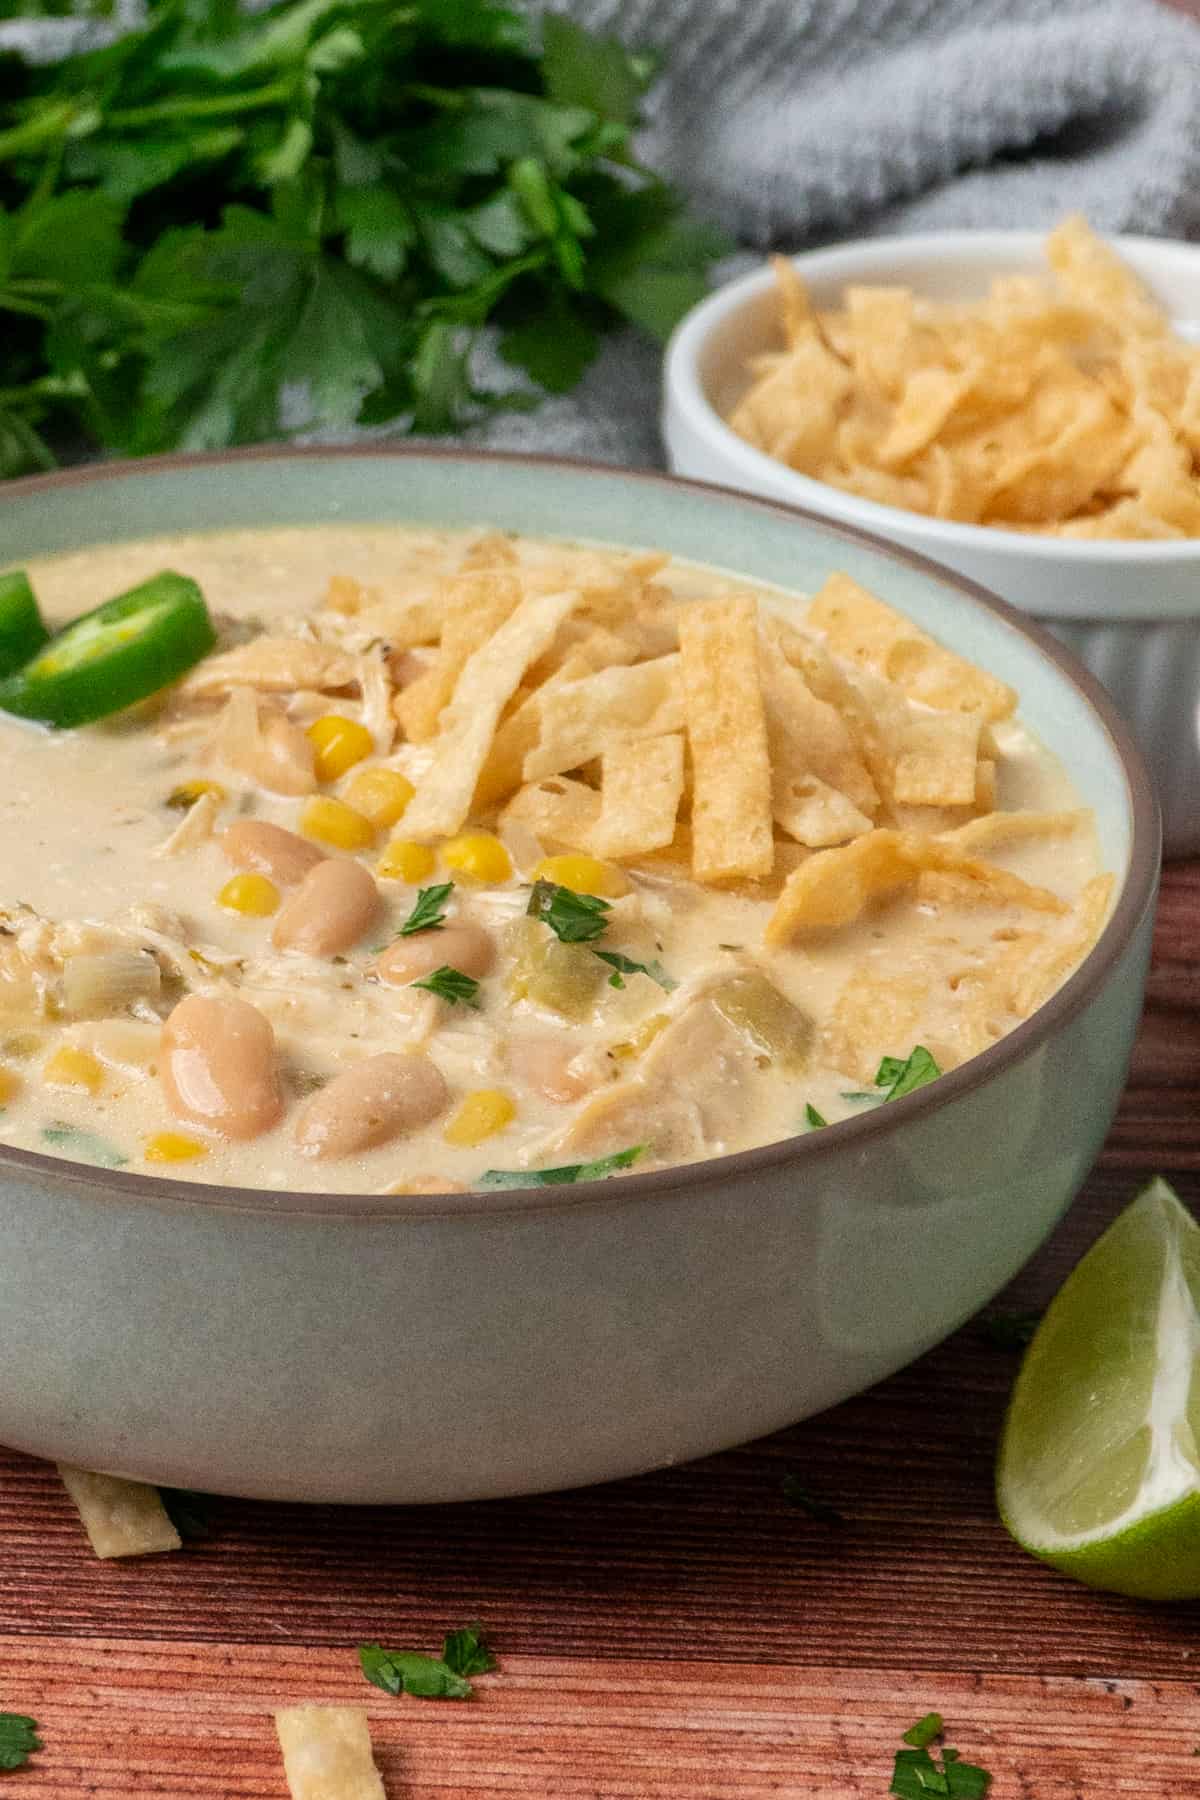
490,678
937,760
581,719
1000,829
477,605
835,886
327,1753
558,811
121,1518
870,783
727,733
640,789
813,762
1097,279
866,631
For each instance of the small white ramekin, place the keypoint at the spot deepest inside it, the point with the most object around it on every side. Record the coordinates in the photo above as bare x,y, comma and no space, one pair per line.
1130,611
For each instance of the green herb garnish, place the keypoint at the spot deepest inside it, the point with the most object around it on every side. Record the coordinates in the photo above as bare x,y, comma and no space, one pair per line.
916,1774
408,1672
858,1096
565,1174
466,1653
231,224
82,1146
18,1740
1009,1330
812,1118
427,914
796,1494
451,985
900,1078
625,965
573,918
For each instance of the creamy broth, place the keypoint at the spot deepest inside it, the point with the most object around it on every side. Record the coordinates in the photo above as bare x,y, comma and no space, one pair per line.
90,864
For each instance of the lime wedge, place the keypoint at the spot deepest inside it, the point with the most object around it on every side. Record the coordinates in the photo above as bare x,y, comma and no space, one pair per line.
1099,1470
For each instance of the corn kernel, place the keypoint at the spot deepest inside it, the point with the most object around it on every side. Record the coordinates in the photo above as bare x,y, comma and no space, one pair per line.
406,861
642,1038
481,1115
253,895
10,1085
173,1146
478,856
583,875
333,822
379,794
338,744
73,1068
181,798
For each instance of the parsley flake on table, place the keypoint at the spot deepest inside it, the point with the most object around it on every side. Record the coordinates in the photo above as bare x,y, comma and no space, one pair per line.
565,1174
451,985
224,224
573,918
465,1652
18,1740
427,914
812,1118
408,1672
625,965
917,1775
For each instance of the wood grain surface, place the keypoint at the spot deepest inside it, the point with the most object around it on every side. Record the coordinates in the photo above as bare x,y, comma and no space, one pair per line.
688,1634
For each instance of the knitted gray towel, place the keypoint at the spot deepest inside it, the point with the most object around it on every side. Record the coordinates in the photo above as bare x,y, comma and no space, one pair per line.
797,121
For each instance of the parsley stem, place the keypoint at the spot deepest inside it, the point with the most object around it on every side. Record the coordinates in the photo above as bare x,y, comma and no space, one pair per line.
43,128
215,106
30,309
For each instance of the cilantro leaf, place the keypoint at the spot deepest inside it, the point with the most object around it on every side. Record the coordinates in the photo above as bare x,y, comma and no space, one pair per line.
922,1734
625,965
573,918
812,1118
796,1494
465,1652
900,1078
427,914
451,985
82,1146
18,1740
582,70
408,1672
553,343
565,1174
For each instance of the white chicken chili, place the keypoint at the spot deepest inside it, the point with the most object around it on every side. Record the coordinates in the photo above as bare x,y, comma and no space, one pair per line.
465,859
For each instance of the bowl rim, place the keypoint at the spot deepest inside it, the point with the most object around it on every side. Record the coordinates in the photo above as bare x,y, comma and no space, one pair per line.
805,1149
684,391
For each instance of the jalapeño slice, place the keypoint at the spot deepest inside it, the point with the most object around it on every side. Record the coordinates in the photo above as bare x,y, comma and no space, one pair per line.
22,633
120,653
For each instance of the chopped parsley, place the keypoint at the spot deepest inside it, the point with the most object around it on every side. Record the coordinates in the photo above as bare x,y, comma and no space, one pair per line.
451,985
565,1174
573,918
917,1775
427,914
900,1078
18,1740
812,1118
796,1494
625,965
464,1654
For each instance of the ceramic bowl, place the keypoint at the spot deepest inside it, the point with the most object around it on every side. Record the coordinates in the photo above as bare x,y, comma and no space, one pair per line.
1130,611
409,1348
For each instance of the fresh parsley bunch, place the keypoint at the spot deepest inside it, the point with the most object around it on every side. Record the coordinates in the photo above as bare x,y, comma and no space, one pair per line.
222,227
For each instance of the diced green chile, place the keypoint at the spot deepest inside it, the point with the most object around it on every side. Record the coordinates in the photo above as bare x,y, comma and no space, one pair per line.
114,656
22,632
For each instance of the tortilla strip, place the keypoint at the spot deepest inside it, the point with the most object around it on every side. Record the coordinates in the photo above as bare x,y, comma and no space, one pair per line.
121,1518
476,606
641,787
327,1753
491,676
581,719
403,622
558,811
1000,829
936,760
864,630
727,733
835,886
829,684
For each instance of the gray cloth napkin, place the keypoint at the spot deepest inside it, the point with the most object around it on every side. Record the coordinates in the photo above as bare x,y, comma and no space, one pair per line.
797,121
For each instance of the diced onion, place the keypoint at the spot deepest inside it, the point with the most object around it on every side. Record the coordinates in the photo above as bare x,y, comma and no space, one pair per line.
108,982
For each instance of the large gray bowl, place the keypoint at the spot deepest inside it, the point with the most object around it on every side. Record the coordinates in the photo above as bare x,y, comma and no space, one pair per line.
315,1347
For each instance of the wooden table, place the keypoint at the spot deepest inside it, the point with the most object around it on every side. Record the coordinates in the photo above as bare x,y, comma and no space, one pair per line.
689,1634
